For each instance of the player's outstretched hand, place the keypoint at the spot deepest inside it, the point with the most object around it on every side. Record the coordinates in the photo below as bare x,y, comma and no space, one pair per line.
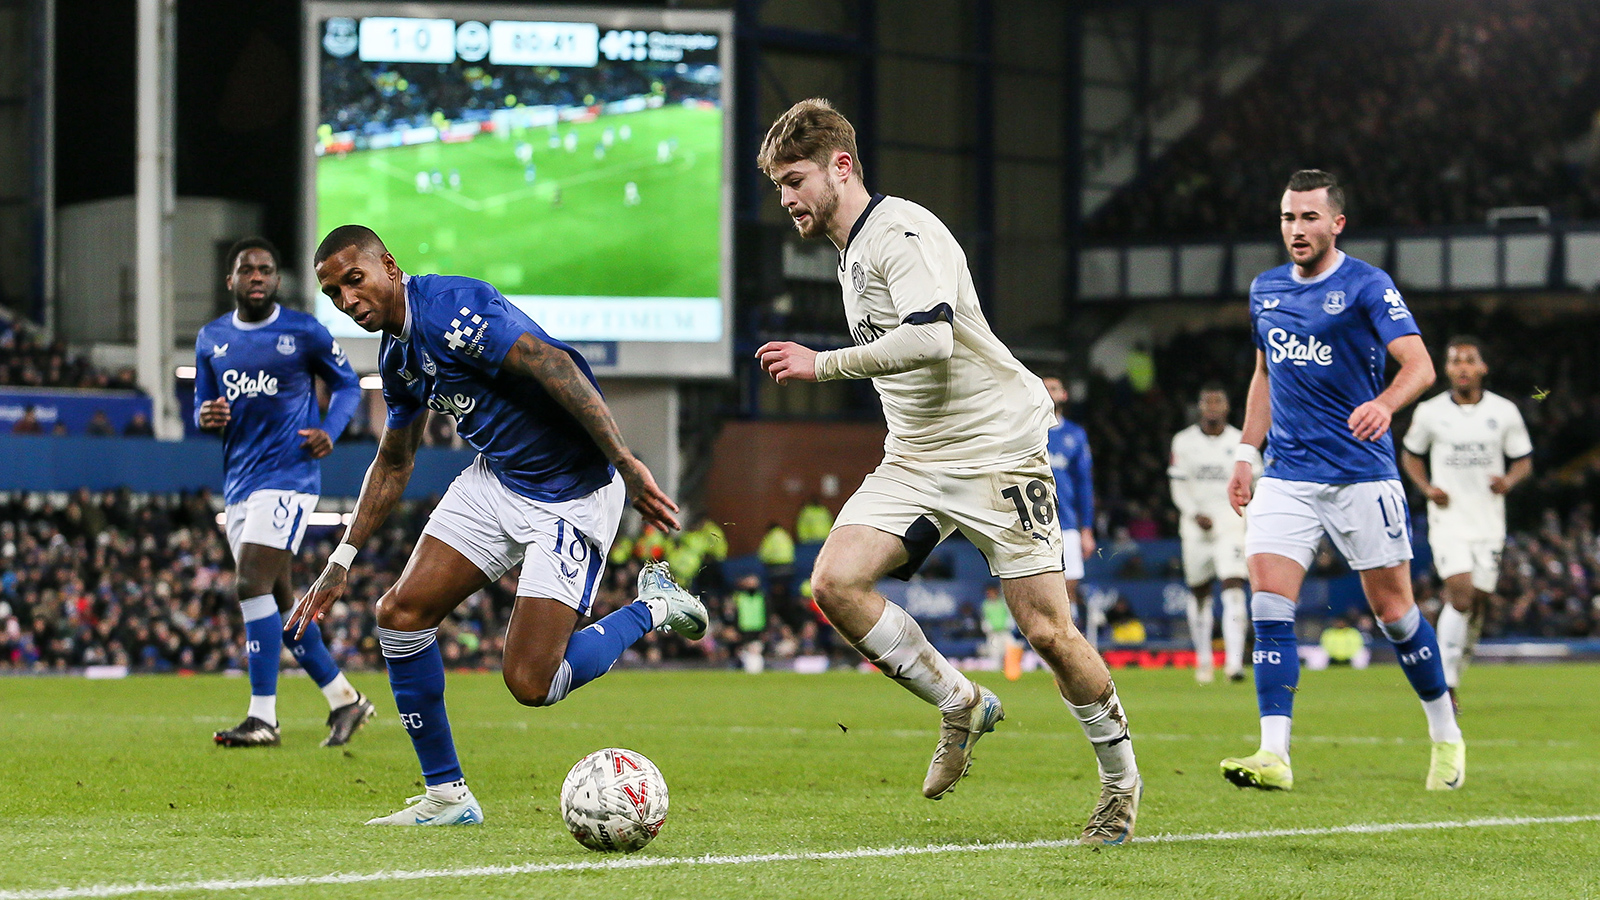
647,497
787,361
1241,486
317,442
325,592
1370,421
215,414
1442,499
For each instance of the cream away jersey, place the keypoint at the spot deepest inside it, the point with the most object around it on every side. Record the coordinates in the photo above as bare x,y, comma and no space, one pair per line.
1466,445
1199,471
976,409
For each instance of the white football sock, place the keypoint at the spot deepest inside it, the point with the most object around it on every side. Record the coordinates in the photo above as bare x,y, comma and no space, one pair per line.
451,792
1453,627
1200,631
264,708
1235,624
1441,719
1106,726
897,646
1275,736
340,692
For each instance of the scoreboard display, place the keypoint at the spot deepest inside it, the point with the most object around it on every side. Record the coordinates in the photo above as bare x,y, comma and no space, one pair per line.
575,158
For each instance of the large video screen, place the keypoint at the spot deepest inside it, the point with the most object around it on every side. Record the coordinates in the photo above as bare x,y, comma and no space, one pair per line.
574,158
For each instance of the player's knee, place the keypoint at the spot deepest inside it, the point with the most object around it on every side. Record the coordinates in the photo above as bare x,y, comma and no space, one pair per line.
1390,609
253,587
528,688
830,588
1050,643
396,614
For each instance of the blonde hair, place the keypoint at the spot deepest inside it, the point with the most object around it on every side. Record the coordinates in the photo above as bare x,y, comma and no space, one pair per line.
811,129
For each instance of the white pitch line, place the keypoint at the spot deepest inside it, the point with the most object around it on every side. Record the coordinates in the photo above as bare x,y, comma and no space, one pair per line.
651,862
918,734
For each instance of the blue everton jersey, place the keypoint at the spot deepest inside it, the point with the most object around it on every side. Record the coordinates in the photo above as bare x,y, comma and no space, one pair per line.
265,370
1068,446
1325,342
457,332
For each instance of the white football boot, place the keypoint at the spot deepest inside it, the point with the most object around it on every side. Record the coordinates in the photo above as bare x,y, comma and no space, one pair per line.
671,607
959,732
429,810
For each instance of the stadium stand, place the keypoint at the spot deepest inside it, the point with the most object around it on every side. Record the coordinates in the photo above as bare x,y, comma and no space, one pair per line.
1432,119
28,359
1547,580
462,91
1133,428
145,581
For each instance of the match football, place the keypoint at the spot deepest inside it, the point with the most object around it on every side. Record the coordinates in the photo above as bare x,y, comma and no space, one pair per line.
827,448
614,800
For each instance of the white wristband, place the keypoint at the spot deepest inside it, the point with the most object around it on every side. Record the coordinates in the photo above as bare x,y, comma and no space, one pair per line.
343,555
1247,453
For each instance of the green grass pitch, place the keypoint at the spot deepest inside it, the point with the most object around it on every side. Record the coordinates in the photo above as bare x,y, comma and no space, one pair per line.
499,227
107,784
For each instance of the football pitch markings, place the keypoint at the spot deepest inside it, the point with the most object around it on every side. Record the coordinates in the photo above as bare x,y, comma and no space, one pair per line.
648,862
900,733
683,162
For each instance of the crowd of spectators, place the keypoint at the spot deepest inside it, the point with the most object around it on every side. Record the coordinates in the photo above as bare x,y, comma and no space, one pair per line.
1557,389
374,97
29,360
146,582
1432,113
1550,579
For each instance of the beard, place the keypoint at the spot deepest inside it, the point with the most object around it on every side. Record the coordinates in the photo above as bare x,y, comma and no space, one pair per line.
262,305
821,214
1318,254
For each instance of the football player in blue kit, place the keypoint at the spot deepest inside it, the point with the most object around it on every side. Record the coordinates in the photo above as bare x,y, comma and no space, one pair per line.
1323,327
547,491
1073,465
255,371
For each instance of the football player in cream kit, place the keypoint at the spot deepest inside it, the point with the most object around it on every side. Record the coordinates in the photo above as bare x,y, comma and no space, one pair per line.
1467,433
966,450
1212,535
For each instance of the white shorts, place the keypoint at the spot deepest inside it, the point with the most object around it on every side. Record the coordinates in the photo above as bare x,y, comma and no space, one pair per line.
1009,515
1072,554
1217,554
1453,557
562,546
1368,522
275,519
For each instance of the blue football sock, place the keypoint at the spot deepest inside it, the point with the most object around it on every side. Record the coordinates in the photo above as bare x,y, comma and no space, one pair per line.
417,678
592,651
313,654
1277,665
1417,646
263,634
1277,653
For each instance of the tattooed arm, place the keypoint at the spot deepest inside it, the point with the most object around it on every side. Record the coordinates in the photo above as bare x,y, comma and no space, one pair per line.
380,491
562,379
